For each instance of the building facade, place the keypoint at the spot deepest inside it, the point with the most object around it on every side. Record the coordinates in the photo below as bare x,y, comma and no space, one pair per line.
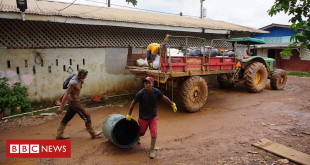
43,50
276,41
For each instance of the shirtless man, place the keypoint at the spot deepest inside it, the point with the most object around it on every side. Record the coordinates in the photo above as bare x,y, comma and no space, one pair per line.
74,89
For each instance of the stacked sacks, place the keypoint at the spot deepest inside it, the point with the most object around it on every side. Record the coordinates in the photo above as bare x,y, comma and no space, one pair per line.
142,62
230,54
198,52
194,51
214,52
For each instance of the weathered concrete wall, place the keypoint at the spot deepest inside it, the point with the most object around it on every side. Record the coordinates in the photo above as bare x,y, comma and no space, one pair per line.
139,51
116,60
107,74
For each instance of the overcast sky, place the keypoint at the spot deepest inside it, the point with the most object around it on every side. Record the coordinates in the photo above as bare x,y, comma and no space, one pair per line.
251,13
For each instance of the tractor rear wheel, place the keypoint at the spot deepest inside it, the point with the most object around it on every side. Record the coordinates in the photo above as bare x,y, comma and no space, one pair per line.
278,79
193,93
255,77
223,80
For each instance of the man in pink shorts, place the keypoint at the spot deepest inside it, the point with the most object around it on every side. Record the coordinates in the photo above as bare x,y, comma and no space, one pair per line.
147,98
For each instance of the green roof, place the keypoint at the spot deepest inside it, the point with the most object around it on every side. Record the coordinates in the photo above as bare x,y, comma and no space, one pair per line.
246,40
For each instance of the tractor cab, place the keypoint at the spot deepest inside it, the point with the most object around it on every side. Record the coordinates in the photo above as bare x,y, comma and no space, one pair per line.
247,41
252,55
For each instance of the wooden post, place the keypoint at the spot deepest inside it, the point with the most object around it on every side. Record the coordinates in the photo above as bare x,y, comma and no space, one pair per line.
235,50
171,71
222,60
172,82
203,57
185,69
209,55
159,65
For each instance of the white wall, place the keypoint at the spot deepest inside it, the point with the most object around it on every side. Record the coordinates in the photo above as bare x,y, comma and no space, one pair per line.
262,52
240,52
304,53
45,86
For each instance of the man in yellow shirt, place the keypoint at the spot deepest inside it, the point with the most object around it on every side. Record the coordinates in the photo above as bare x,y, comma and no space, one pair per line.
152,49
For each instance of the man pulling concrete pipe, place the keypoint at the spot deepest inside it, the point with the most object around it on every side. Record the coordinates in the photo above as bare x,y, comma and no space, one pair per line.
147,98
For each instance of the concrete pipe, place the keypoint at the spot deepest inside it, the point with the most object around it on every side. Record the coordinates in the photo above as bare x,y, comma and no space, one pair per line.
121,132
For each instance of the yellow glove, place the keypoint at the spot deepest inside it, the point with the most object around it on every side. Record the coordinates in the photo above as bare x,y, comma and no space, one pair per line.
174,107
128,117
151,65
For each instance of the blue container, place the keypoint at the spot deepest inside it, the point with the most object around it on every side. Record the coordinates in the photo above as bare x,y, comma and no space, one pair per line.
121,132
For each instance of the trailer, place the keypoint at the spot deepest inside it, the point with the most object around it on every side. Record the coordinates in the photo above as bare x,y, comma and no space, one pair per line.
183,73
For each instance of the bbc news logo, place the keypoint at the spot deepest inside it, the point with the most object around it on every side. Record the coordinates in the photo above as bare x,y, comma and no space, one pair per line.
38,148
35,148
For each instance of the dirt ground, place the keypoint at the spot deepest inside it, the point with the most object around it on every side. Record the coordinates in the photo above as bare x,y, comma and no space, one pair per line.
221,133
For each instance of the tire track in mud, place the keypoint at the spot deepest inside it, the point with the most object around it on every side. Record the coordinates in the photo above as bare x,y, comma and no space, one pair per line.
185,138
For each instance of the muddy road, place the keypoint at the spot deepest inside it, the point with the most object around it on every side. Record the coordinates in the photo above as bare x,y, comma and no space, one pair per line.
221,133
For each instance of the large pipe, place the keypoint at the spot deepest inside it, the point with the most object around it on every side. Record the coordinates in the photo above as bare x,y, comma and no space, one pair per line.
121,132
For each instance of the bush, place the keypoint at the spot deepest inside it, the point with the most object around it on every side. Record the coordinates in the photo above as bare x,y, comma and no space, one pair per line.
21,94
5,94
16,96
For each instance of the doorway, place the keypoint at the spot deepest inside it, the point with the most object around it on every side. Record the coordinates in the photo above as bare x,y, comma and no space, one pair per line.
272,53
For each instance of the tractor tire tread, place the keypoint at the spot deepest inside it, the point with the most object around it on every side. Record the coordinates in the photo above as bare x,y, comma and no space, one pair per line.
275,77
249,77
184,93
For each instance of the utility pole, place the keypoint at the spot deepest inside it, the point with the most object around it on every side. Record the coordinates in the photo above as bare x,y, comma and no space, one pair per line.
201,4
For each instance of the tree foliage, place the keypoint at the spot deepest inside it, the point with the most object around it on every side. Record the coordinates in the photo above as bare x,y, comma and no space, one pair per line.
299,10
134,2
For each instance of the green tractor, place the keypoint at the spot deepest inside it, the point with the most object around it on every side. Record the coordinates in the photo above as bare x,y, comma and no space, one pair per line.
254,70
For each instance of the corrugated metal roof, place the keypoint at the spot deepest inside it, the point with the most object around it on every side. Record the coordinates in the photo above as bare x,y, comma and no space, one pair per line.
42,7
276,45
275,25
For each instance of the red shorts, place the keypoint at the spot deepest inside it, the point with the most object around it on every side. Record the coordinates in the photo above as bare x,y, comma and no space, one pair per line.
151,123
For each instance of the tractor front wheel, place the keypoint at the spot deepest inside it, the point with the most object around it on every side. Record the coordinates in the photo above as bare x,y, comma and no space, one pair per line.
278,79
193,93
255,77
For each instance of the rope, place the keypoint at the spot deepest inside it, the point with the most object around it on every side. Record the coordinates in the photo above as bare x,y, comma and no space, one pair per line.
67,6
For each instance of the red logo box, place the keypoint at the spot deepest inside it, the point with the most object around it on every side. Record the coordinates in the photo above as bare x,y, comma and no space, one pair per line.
38,148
